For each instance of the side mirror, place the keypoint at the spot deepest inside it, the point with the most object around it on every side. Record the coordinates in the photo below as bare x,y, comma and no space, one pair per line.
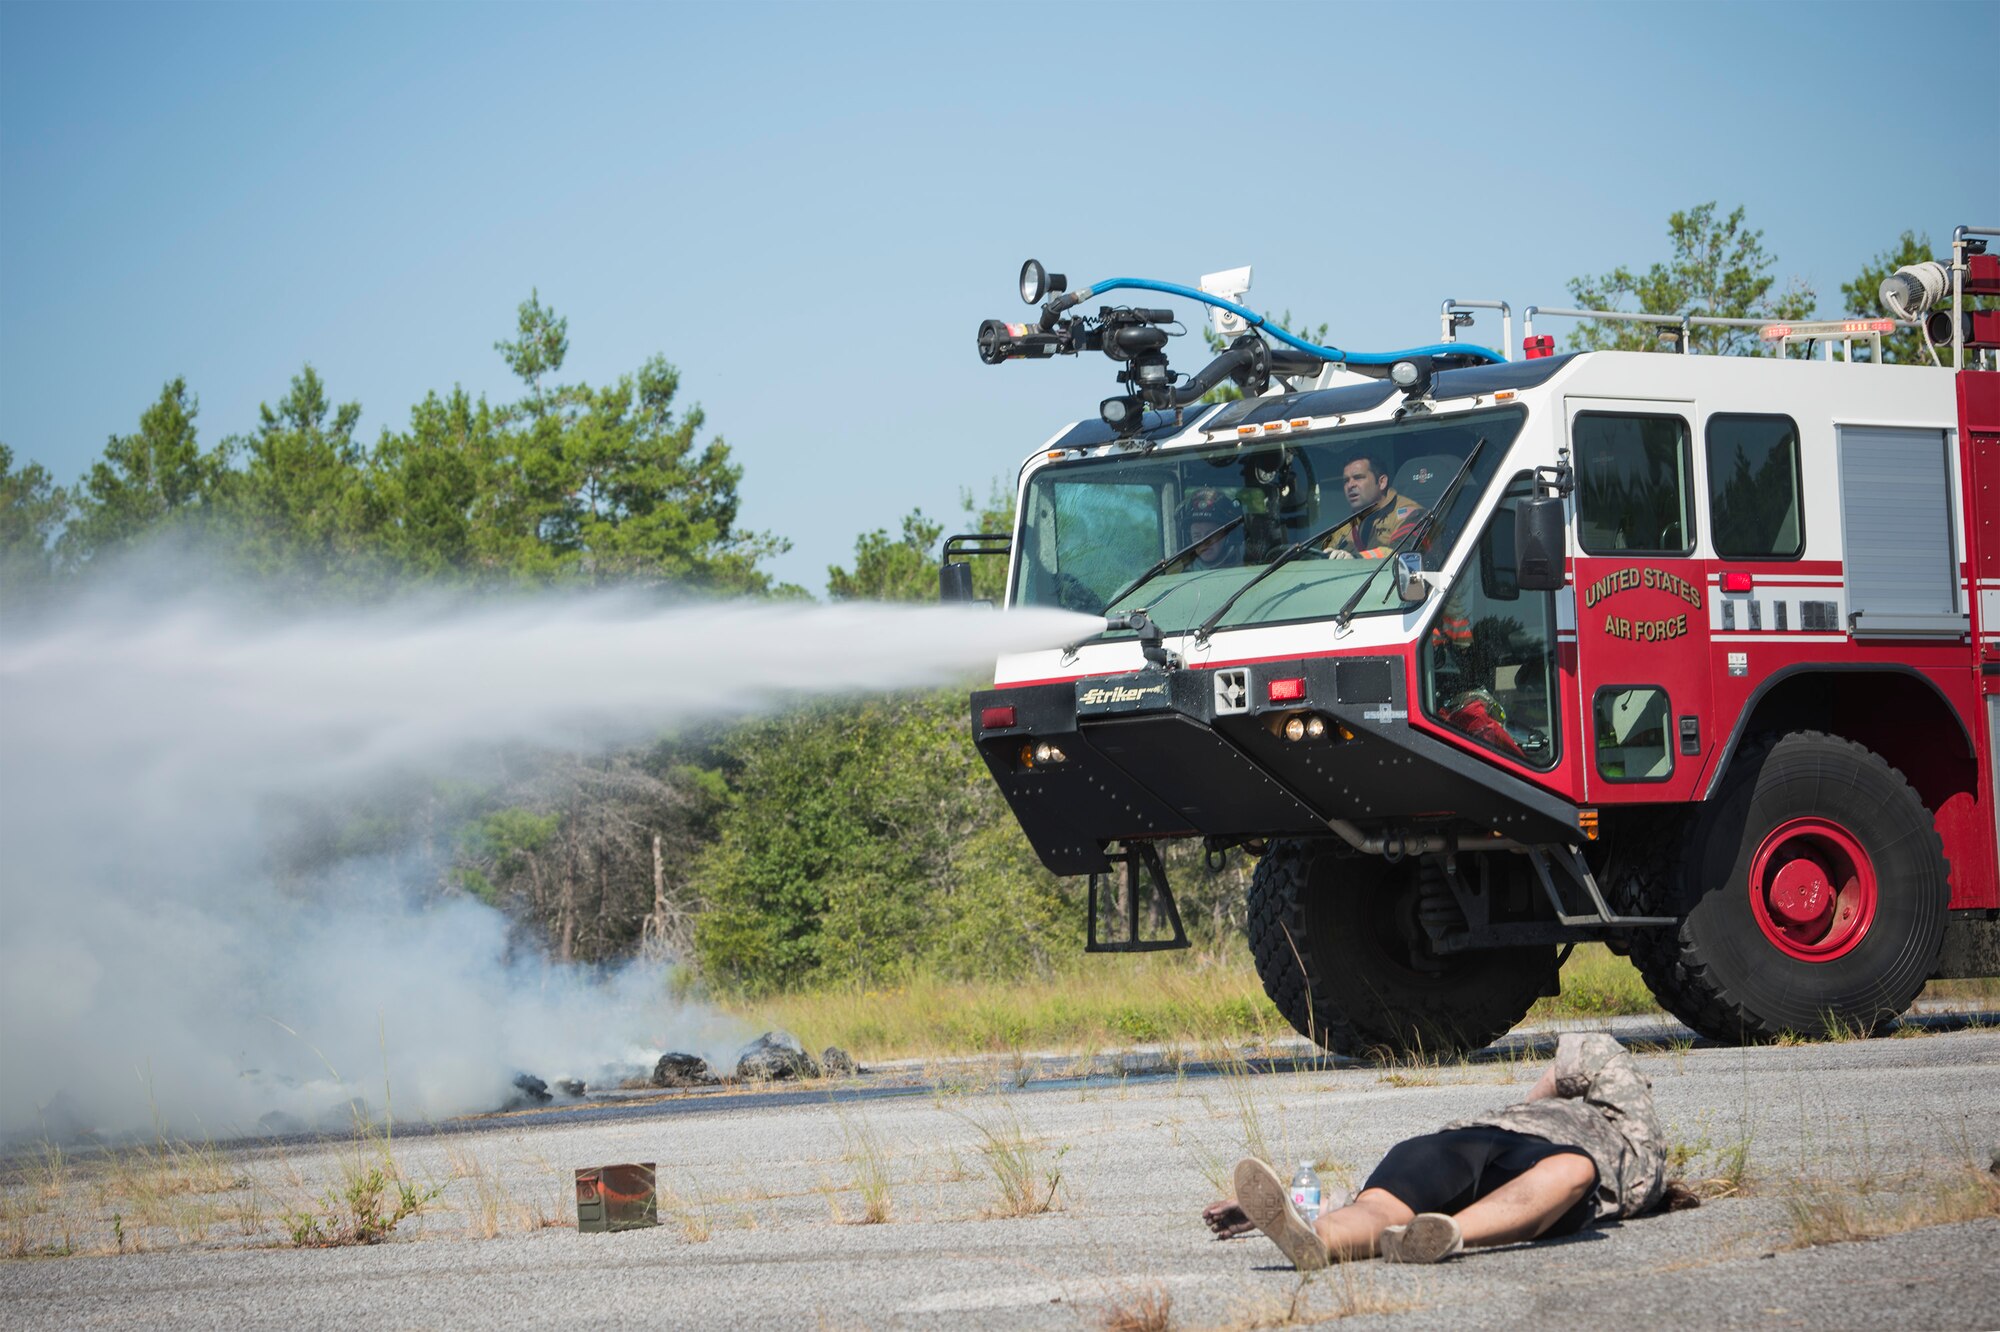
1411,585
1538,544
955,581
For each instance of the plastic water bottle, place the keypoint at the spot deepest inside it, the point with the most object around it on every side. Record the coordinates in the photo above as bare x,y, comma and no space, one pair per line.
1305,1192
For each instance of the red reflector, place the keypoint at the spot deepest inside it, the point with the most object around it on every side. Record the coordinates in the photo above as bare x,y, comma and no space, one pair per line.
1287,691
1736,582
1539,346
995,719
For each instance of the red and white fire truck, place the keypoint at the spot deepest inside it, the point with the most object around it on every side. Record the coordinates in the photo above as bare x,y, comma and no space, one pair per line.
1484,655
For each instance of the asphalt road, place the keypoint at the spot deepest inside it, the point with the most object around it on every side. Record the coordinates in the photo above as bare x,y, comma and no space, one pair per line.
760,1200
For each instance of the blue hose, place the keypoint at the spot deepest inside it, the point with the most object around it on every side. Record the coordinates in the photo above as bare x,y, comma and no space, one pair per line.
1256,320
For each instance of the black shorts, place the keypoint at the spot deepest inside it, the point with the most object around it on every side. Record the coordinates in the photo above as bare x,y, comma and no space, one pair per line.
1450,1170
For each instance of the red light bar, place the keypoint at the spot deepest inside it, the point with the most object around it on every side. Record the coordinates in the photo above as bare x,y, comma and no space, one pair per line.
996,719
1542,344
1736,582
1286,691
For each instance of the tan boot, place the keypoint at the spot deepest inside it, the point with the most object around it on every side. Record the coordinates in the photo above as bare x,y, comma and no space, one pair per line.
1266,1201
1431,1238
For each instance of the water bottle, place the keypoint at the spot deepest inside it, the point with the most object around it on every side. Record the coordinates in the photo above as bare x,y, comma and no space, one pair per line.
1305,1192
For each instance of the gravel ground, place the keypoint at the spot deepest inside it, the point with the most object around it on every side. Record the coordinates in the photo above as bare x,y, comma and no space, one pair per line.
759,1200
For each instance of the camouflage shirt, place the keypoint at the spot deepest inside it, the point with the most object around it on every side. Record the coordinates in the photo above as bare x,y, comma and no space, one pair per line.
1604,1105
1387,523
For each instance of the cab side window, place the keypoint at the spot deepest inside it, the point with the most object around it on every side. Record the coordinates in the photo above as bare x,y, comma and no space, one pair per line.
1488,667
1634,477
1753,486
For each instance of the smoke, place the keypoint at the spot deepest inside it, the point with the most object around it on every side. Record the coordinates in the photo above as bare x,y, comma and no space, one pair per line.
155,970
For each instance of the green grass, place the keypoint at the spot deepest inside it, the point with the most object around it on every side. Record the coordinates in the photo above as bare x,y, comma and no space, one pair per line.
1099,1004
1103,1003
1596,982
1981,987
1181,1000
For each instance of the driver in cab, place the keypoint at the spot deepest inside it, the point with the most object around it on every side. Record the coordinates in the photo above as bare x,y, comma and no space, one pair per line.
1389,517
1208,511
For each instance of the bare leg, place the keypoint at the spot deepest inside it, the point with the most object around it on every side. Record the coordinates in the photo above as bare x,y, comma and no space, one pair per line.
1523,1208
1355,1230
1348,1232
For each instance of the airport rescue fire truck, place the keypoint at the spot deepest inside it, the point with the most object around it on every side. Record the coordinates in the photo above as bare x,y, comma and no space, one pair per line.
1482,655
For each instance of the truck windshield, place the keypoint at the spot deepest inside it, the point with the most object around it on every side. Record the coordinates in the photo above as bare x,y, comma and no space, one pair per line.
1089,528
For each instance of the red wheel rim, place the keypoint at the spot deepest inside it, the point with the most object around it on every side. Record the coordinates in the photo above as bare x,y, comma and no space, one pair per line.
1812,889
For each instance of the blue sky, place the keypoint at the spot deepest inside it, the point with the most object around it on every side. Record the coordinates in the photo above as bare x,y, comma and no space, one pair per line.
809,209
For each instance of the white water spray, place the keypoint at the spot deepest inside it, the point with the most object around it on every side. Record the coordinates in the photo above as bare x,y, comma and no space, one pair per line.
151,970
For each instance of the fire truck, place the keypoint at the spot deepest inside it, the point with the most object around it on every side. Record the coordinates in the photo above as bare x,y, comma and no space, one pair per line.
1484,654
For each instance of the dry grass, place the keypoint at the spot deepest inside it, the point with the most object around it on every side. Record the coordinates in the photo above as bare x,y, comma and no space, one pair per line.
1179,1001
1835,1212
870,1164
1344,1290
167,1192
688,1211
492,1210
1148,1309
1977,988
1027,1174
1098,1004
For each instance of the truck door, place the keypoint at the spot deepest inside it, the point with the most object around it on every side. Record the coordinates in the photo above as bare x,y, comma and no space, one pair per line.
1641,601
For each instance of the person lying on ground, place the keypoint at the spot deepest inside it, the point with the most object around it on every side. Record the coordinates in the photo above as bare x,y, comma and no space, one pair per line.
1584,1148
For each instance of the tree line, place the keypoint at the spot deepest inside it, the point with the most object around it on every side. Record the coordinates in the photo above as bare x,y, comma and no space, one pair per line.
841,842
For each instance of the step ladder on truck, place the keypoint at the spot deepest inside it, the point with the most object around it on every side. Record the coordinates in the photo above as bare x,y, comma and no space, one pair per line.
1480,656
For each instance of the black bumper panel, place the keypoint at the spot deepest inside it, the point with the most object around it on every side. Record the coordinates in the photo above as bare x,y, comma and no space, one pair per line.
1167,754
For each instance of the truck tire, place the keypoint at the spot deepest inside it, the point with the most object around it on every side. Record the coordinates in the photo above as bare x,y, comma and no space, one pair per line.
1813,889
1340,953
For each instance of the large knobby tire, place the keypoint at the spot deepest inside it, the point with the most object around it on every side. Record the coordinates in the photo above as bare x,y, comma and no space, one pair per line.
1337,946
1815,889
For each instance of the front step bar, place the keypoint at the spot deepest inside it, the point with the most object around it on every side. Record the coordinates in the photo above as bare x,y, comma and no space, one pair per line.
1128,861
1480,932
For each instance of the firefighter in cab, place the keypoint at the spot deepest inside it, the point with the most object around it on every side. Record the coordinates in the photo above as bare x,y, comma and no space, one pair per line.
1389,518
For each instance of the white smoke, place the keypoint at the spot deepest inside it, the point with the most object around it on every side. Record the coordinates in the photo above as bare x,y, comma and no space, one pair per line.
152,971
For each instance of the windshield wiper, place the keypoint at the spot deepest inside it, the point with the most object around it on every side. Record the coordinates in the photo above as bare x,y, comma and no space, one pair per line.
1416,534
1171,560
1117,622
1291,553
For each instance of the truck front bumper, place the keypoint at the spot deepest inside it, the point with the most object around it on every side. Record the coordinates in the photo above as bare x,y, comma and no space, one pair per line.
1204,752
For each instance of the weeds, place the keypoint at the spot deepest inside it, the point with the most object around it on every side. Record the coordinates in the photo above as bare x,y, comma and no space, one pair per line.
1026,1176
687,1211
366,1210
1112,1003
1709,1169
1833,1027
1148,1310
1824,1212
871,1171
1350,1290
